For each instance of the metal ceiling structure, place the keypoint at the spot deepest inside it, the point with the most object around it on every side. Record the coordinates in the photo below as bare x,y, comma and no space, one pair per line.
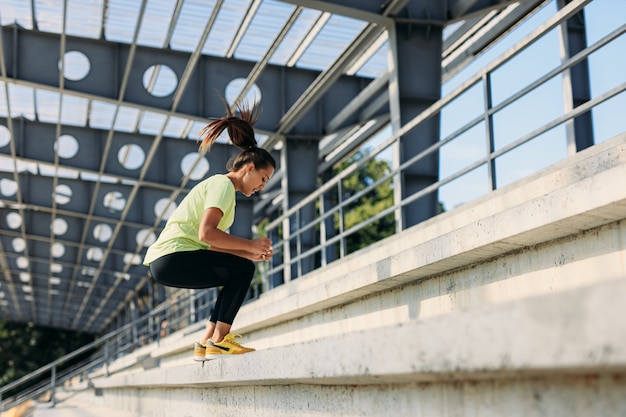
102,100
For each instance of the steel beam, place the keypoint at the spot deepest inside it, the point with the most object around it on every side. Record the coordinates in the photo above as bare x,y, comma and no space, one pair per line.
32,58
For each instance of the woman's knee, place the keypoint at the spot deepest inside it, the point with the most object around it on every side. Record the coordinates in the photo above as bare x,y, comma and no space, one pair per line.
248,269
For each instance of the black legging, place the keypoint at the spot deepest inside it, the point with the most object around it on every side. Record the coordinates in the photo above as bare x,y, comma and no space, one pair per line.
208,269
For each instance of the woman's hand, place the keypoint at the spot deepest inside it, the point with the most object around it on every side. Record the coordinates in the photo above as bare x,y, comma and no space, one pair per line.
261,249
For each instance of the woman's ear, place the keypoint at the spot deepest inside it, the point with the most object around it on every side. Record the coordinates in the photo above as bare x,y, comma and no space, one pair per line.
248,168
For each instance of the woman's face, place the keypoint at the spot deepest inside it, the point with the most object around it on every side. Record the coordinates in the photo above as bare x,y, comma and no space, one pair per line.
255,179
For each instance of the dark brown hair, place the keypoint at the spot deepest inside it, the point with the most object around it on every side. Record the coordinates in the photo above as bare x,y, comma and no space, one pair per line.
241,133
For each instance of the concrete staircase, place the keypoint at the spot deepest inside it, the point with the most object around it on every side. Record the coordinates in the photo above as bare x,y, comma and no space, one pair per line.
512,305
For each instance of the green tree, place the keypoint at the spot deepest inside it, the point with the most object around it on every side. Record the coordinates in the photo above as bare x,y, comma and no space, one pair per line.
367,205
25,347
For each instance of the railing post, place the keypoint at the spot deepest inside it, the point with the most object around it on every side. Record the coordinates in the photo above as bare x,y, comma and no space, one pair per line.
323,232
106,358
53,383
342,240
299,225
192,306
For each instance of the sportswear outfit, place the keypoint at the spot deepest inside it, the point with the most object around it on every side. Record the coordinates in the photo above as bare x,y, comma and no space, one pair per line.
178,258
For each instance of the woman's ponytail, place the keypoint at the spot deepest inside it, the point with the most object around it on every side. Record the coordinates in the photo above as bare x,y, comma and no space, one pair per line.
241,133
239,128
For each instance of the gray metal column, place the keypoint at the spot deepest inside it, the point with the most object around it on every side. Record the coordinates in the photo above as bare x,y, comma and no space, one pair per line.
302,157
242,226
576,86
244,219
417,59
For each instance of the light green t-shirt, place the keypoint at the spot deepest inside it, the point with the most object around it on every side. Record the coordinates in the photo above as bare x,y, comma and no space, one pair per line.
181,230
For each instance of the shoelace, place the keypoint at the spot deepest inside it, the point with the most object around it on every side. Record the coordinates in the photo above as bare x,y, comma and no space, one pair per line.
231,339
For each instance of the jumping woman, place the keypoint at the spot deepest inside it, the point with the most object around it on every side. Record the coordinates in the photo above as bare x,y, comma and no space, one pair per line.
195,251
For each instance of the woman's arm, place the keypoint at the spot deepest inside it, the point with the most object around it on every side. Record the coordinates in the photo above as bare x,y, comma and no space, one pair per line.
240,253
256,249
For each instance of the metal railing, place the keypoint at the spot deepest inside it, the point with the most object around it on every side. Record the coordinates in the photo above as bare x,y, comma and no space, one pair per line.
182,308
293,236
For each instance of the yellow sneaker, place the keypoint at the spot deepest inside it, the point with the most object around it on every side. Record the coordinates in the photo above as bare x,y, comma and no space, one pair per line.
228,346
199,351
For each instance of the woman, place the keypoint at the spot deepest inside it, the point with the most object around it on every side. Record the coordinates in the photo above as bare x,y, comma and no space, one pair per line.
195,251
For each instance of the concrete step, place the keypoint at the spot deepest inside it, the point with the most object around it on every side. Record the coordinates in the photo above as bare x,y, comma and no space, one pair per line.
555,231
511,305
574,339
70,407
581,330
574,196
